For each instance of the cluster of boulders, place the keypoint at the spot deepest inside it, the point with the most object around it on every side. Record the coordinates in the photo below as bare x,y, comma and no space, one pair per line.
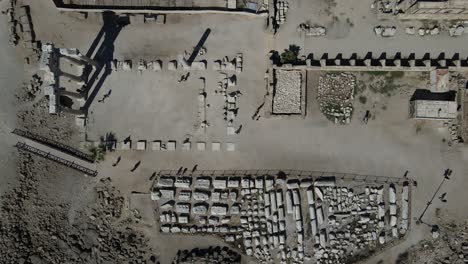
100,232
58,127
454,31
32,89
207,255
35,226
423,31
383,31
454,133
335,93
313,31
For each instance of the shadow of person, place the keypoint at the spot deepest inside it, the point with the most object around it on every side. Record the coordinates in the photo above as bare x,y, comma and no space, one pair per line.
136,166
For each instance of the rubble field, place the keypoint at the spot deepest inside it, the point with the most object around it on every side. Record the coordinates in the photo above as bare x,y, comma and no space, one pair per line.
335,95
286,218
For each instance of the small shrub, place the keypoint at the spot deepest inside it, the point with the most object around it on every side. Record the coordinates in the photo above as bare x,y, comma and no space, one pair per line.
377,73
98,152
397,74
288,57
362,99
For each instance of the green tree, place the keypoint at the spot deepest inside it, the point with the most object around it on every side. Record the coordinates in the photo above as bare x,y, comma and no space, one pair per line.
288,56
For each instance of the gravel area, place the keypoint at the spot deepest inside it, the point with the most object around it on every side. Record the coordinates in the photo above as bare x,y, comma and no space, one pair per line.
287,92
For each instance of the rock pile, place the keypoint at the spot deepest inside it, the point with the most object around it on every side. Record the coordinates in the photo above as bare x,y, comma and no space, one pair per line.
385,31
410,30
429,31
312,31
30,90
207,255
448,243
454,133
335,93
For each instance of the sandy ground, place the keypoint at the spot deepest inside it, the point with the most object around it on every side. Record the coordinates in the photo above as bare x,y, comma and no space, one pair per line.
154,106
352,31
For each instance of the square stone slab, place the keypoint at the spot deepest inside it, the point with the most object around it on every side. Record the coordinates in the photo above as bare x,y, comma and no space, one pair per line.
201,146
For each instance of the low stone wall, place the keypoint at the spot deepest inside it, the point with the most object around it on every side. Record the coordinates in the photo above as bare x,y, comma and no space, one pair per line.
156,10
379,64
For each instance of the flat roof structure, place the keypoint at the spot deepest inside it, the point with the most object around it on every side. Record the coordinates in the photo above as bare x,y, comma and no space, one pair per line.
427,109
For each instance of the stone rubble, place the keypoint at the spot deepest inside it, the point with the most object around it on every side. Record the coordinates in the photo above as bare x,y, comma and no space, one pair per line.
313,31
383,31
271,217
335,95
31,90
207,255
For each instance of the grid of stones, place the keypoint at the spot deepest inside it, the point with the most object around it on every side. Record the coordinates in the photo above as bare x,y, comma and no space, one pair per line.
160,145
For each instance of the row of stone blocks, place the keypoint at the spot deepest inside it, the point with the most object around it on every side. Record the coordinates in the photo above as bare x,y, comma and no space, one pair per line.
388,62
159,145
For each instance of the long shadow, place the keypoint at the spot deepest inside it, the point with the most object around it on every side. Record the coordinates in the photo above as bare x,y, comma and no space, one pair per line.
199,45
95,42
422,94
104,54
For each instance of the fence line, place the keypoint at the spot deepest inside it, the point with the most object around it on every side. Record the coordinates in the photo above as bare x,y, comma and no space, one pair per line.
54,144
57,159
